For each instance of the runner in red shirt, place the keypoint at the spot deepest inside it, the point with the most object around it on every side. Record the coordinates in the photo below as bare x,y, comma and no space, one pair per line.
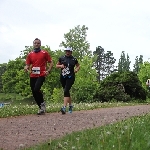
36,63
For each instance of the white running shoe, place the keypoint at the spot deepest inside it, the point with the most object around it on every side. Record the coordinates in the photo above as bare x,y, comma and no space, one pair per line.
42,110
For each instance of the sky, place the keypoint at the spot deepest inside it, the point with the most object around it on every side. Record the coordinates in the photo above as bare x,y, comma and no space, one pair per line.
116,25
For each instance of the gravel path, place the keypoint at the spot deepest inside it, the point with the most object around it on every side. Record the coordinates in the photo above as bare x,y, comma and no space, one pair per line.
33,129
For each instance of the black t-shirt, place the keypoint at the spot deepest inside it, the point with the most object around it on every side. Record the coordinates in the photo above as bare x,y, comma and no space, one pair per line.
69,63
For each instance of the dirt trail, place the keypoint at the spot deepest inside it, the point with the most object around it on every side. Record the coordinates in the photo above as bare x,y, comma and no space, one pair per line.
32,129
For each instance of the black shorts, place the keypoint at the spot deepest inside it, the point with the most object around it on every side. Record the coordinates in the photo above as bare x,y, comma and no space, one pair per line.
67,82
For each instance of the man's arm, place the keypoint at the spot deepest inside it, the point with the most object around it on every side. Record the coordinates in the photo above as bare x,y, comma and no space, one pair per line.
26,68
50,66
27,62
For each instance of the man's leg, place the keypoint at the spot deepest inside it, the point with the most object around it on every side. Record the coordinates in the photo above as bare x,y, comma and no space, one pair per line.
32,85
38,85
39,94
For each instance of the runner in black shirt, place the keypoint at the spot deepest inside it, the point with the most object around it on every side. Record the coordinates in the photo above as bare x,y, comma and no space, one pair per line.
67,76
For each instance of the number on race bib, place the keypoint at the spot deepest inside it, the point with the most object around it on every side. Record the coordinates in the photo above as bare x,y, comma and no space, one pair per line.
36,70
65,71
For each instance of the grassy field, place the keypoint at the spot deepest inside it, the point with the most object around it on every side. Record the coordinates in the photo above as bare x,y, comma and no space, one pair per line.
131,134
17,105
18,108
15,99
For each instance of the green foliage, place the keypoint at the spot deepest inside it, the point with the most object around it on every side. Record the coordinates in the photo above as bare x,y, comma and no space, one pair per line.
76,38
15,80
57,96
25,52
9,79
22,86
122,87
85,85
124,63
5,97
2,70
52,80
141,59
111,91
144,74
138,62
132,85
104,63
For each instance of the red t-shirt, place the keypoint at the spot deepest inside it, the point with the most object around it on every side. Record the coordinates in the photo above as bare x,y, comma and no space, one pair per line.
38,62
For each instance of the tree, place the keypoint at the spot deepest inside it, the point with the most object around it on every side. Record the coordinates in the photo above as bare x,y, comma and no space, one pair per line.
109,63
86,85
99,66
121,86
9,79
2,70
127,64
144,73
138,62
52,81
15,80
104,63
136,65
124,63
76,39
141,59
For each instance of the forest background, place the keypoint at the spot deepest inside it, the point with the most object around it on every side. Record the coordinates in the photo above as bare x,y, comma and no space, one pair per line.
99,78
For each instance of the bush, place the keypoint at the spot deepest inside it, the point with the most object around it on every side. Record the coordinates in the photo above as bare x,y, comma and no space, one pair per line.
86,85
57,96
122,87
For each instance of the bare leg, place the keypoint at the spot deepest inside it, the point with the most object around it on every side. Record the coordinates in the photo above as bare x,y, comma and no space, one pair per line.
66,100
69,101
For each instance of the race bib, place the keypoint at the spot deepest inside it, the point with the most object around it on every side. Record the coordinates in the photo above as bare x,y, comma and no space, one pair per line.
65,71
36,70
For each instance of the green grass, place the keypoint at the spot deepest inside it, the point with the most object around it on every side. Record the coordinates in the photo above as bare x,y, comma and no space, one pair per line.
23,106
10,97
18,108
131,134
19,105
15,99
